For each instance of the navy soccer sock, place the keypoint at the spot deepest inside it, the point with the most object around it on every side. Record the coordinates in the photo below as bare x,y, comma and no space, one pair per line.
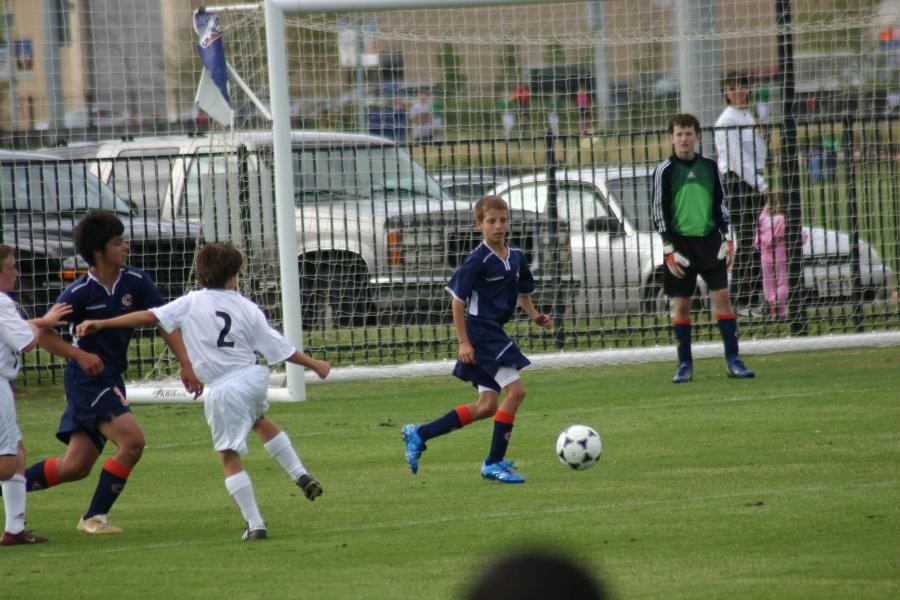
682,331
41,475
503,425
112,480
456,418
728,329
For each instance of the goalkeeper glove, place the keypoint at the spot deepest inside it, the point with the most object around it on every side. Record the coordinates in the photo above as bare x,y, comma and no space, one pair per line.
675,261
726,250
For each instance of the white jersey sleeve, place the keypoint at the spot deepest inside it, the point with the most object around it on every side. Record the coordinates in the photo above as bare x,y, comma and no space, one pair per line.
15,334
171,316
269,342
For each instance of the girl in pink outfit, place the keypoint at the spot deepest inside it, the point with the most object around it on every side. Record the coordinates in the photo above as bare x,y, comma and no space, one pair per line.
772,246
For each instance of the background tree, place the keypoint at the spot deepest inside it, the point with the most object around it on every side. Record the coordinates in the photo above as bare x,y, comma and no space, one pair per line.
453,79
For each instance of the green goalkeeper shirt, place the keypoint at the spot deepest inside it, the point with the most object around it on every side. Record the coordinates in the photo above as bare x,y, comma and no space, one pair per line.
688,199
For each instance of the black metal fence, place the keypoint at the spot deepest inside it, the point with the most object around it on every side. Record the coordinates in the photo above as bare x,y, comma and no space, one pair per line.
376,238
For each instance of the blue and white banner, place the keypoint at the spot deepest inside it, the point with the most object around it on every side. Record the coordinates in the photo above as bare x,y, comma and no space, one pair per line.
212,93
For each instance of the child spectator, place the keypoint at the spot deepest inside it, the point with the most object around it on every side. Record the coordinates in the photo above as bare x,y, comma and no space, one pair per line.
771,243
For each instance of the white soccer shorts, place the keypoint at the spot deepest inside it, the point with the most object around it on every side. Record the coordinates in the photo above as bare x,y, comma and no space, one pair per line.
233,404
10,436
504,377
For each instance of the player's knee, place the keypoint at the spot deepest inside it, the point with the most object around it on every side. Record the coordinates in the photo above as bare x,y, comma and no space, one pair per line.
484,408
516,394
7,468
133,448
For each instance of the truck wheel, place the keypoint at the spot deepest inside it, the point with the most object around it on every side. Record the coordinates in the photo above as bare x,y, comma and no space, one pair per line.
655,301
334,293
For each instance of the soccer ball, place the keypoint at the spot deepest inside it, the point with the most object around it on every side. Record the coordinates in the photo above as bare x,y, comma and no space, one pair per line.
579,447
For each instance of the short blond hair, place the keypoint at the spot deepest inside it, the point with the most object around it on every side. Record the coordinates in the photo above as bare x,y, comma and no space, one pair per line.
6,252
486,203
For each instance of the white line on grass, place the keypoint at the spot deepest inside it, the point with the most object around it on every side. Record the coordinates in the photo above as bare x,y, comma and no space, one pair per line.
505,513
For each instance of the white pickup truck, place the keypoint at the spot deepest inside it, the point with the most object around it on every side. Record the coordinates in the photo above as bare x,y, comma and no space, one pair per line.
375,232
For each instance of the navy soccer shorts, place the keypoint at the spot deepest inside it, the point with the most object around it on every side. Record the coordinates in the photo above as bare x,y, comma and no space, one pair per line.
703,253
89,403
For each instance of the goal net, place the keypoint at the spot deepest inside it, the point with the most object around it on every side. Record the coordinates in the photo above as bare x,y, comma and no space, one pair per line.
402,118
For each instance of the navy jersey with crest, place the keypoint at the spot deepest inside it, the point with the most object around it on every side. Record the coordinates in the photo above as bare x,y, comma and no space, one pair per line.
490,285
90,299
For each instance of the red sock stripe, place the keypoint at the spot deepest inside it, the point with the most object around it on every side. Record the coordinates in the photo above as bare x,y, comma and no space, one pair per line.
51,471
464,414
504,417
728,316
678,322
117,469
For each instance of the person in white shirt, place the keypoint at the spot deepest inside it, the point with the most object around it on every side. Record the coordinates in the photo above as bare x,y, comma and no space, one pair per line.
741,153
223,332
421,116
16,336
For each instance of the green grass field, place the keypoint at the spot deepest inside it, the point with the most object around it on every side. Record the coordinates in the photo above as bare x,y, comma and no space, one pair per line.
786,486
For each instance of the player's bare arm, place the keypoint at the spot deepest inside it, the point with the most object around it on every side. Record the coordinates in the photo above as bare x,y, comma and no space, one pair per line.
132,319
54,317
320,367
175,342
466,351
89,363
538,317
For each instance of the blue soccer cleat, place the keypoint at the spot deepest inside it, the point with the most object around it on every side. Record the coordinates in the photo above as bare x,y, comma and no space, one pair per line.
684,373
735,367
414,446
502,471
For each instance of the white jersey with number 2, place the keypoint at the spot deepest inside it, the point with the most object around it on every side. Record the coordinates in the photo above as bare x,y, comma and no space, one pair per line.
222,332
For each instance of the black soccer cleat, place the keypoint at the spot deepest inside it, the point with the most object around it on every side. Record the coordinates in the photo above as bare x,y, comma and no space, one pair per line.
260,533
311,487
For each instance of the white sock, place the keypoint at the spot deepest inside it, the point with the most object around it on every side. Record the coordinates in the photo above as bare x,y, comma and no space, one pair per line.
14,503
241,489
281,450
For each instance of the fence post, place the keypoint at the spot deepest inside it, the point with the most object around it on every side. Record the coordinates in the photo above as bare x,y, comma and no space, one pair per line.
790,178
856,296
553,213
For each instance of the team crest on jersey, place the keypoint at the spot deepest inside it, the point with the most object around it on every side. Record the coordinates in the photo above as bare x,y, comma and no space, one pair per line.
127,300
121,396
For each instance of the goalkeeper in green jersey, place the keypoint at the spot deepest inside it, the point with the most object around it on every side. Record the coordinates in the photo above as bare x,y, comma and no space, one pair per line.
690,214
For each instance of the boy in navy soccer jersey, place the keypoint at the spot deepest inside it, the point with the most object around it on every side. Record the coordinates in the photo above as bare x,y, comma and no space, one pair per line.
96,405
486,289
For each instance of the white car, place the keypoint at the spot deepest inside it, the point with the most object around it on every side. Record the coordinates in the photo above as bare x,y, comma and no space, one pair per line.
617,254
98,116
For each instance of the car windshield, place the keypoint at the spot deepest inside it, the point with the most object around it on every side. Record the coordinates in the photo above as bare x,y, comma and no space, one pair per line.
379,173
55,187
633,196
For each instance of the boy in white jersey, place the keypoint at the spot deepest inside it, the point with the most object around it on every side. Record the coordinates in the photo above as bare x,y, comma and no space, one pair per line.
18,335
223,331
